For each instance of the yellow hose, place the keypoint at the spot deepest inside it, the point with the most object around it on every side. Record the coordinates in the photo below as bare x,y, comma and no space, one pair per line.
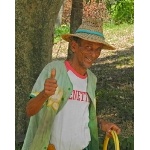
115,138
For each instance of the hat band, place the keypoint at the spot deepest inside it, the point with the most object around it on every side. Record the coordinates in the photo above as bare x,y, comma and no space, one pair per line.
90,32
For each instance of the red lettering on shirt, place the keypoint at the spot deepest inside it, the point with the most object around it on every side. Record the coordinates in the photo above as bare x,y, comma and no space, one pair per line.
79,96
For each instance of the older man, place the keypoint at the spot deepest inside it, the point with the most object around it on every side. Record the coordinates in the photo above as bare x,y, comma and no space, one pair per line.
63,105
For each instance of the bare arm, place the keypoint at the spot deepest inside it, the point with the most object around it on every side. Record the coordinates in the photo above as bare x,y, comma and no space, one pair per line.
36,103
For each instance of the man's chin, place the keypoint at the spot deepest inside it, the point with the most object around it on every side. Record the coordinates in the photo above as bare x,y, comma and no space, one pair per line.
87,65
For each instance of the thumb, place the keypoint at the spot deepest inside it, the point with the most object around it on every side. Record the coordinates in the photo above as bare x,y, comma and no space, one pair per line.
53,73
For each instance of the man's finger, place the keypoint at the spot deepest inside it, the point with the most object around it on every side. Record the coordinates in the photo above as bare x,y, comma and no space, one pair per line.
53,73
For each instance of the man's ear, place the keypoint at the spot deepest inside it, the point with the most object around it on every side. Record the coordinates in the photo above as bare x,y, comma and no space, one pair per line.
73,46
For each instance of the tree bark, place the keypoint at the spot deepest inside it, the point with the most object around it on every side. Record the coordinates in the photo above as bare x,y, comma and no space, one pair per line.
35,21
76,15
75,19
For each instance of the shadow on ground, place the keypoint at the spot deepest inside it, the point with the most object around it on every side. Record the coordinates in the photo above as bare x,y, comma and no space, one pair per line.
115,88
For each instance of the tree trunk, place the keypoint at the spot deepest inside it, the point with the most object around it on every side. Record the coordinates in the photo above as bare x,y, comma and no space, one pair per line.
76,15
35,21
75,19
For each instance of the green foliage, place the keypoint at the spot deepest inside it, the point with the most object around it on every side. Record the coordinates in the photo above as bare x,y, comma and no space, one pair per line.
123,11
63,29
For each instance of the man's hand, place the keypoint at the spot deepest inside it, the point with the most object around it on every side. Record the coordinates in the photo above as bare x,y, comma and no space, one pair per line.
50,84
108,126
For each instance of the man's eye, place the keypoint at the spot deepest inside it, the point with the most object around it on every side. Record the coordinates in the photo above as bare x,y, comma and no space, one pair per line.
88,48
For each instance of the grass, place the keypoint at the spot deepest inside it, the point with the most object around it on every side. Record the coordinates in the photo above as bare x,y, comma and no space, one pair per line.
121,35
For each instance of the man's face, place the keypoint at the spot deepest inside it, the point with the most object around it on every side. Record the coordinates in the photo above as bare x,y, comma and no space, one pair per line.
86,52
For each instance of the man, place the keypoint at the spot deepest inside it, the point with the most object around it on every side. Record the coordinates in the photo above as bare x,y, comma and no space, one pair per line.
62,105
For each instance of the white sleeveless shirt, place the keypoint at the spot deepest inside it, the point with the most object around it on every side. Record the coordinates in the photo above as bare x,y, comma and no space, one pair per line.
70,129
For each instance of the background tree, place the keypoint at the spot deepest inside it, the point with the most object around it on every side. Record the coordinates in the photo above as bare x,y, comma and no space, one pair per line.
76,18
123,12
35,21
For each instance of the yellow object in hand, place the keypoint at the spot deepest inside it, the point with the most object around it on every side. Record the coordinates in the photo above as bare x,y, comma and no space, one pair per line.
51,147
115,138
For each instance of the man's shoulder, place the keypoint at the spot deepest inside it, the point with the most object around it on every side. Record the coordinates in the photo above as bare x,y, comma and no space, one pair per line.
55,64
91,73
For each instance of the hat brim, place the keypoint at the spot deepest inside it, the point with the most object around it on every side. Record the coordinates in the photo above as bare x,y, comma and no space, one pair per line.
88,37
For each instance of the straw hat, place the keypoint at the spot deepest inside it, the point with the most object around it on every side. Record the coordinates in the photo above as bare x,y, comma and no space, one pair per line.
90,30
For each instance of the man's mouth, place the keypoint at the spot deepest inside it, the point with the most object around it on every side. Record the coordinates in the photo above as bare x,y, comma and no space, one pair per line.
89,60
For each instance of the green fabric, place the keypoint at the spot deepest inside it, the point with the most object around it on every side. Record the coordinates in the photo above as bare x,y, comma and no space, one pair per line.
38,132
